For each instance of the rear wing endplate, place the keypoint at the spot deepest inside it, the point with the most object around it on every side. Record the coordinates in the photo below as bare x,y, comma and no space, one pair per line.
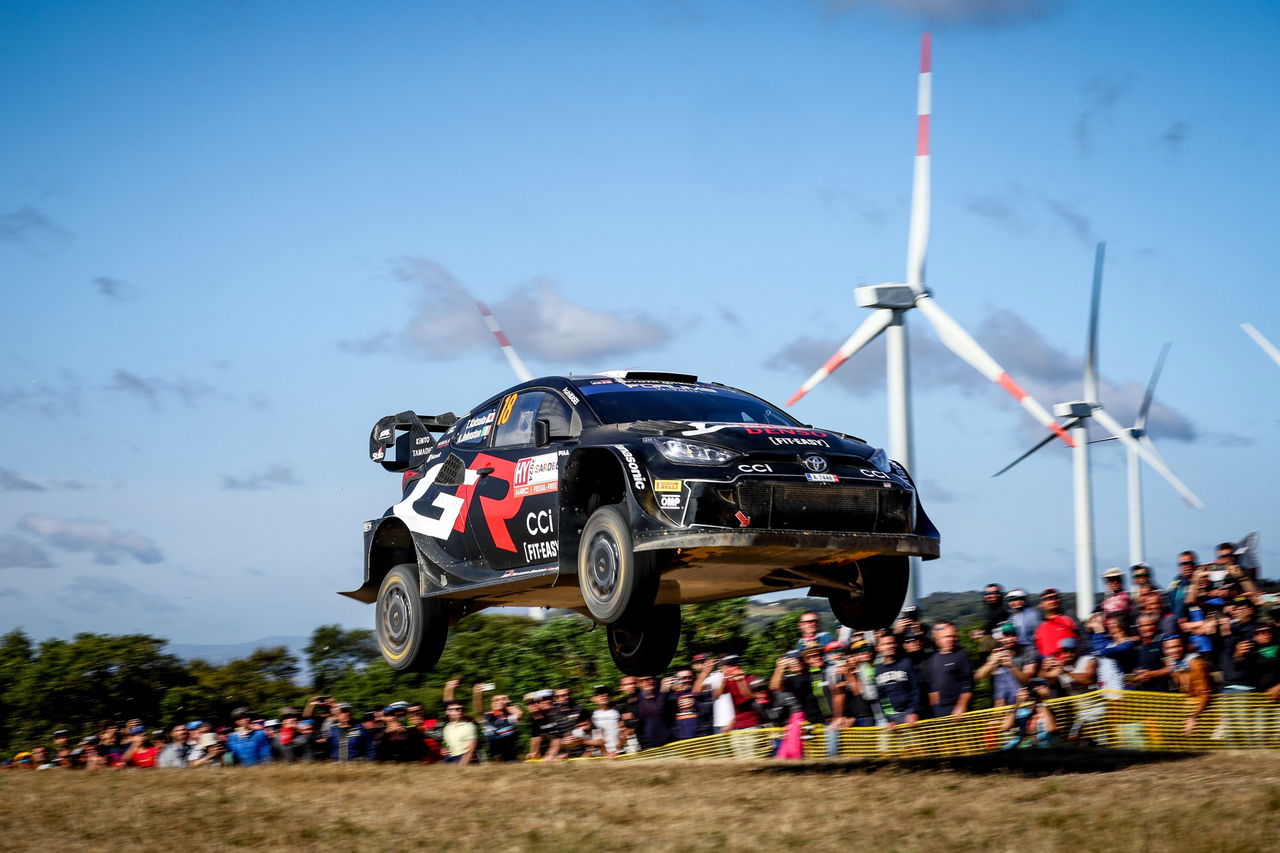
409,435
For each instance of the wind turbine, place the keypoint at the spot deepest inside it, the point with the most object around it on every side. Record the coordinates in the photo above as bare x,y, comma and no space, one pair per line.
892,301
1080,413
522,373
1137,538
1261,340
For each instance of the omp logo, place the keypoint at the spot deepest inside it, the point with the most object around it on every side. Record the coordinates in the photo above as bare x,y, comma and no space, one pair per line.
536,475
670,502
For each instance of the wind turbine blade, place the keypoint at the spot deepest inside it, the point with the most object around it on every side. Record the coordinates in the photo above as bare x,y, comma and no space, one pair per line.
1148,453
863,335
1141,422
918,235
513,358
1261,340
962,344
1048,438
1091,354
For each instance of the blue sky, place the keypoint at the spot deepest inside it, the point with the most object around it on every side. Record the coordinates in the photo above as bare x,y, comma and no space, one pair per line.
233,234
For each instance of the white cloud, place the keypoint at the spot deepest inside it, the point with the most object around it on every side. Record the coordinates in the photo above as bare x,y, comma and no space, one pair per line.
107,544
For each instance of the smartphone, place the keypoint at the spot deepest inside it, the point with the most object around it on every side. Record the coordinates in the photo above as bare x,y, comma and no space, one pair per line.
488,685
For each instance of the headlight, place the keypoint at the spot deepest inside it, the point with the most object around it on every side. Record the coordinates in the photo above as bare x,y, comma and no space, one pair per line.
880,460
692,452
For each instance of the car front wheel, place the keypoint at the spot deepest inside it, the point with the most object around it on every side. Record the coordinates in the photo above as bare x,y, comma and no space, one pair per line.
645,643
411,630
615,581
884,589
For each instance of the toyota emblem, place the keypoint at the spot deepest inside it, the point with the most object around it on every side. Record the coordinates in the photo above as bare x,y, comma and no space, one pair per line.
814,463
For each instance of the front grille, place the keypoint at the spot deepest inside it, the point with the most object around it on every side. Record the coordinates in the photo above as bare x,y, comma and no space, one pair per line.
845,509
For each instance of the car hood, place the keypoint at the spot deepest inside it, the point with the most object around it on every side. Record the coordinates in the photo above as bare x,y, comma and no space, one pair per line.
755,438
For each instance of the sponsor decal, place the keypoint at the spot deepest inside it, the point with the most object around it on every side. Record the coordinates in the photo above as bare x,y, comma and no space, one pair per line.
378,454
421,451
541,521
789,441
536,475
814,463
755,468
821,478
386,433
504,411
548,550
668,485
486,418
633,467
807,433
568,392
433,457
743,518
873,473
669,501
426,439
600,382
368,525
472,435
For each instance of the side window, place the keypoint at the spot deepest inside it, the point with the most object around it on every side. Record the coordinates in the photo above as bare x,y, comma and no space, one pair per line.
475,432
565,422
516,414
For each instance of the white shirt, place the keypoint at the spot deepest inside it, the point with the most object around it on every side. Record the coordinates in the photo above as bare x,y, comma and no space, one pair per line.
606,721
722,711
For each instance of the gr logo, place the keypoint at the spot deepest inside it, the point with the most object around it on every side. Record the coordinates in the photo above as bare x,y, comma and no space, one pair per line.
539,522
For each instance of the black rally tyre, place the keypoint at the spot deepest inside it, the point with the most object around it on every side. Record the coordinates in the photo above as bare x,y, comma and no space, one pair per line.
615,580
884,585
411,630
645,643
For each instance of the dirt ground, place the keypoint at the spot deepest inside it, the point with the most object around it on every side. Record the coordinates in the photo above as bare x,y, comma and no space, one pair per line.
1226,802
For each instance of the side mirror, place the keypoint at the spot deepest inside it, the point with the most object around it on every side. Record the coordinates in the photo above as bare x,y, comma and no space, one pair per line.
541,432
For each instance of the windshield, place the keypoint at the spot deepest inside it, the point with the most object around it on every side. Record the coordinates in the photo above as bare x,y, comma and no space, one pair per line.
618,402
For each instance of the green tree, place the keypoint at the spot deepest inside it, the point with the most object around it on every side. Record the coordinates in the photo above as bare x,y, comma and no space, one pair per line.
335,652
261,682
16,656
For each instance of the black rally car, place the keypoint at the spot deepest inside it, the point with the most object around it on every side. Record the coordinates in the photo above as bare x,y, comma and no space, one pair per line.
623,495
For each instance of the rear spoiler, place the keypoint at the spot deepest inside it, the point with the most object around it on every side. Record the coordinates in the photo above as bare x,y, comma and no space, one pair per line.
409,434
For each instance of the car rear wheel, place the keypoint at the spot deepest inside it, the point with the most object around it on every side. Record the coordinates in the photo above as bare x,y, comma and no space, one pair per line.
411,630
615,580
645,643
884,589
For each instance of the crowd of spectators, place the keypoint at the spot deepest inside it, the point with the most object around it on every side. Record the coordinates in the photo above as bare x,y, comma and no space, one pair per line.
1200,636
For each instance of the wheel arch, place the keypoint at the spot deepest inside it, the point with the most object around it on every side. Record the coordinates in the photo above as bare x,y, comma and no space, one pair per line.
388,543
594,477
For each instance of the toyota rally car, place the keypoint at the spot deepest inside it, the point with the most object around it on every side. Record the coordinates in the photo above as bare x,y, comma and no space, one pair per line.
623,495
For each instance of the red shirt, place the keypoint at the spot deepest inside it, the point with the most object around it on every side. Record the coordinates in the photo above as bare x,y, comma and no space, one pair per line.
1052,631
145,757
745,715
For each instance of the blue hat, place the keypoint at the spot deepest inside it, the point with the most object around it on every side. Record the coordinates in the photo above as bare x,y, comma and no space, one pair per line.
195,724
1067,643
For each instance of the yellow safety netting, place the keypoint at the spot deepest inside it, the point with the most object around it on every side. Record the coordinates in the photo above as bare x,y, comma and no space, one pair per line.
1114,719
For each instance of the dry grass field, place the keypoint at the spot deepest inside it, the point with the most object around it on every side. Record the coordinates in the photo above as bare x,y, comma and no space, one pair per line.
1227,803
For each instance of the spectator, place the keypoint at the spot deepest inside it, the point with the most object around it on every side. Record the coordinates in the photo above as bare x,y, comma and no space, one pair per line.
400,743
173,755
1241,580
804,677
1117,599
1025,619
896,687
737,686
810,636
711,679
1115,647
1011,666
303,745
1152,603
1193,679
582,739
1177,591
544,728
500,724
772,707
910,623
994,611
950,674
1055,627
855,700
1266,662
1150,674
249,745
1029,721
653,708
1068,672
692,710
1141,581
606,721
460,736
348,739
142,750
41,759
